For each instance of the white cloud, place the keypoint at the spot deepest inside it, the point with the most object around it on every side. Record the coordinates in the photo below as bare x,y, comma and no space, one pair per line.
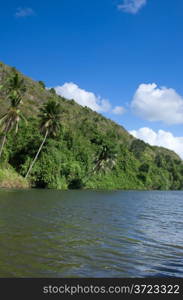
161,138
131,6
73,91
118,110
158,104
24,12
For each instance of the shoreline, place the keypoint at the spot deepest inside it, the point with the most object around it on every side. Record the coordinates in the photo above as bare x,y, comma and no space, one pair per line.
29,188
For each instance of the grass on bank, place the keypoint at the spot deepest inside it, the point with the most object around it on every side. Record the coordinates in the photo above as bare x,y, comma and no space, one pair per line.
9,178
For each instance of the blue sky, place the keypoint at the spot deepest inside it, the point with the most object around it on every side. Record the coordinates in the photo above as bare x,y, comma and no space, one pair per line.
122,58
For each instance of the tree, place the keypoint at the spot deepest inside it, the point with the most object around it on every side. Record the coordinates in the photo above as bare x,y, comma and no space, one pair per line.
42,84
11,119
105,161
49,125
52,91
15,85
15,88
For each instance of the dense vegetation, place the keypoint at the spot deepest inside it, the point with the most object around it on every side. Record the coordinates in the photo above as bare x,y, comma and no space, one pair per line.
72,146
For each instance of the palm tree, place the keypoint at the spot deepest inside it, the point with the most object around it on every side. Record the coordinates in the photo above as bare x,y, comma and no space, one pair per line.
49,125
105,161
11,119
15,88
15,84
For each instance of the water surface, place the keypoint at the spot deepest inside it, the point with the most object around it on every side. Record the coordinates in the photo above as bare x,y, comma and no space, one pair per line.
46,233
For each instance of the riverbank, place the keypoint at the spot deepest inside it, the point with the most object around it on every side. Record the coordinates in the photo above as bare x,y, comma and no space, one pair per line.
9,178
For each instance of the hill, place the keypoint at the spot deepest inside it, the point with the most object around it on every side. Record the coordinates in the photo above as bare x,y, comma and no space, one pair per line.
67,160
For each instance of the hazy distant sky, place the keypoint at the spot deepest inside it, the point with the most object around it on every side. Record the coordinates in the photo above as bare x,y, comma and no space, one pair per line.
122,58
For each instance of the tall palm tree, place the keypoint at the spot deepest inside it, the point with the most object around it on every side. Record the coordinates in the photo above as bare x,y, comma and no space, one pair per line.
11,119
49,125
15,89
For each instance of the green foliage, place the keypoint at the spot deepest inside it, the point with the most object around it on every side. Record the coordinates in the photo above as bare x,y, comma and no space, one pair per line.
144,168
52,91
11,179
86,151
15,85
42,84
50,115
49,125
137,147
13,116
15,90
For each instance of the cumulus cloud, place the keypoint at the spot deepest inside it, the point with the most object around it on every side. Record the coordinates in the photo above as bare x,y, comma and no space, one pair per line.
118,110
158,104
161,138
71,90
131,6
24,12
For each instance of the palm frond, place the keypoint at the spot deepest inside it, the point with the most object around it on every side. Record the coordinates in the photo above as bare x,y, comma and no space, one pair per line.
106,159
23,118
50,115
3,118
16,84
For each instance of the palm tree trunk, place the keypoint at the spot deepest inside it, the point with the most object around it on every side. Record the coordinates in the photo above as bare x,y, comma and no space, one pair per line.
40,148
4,137
2,144
89,174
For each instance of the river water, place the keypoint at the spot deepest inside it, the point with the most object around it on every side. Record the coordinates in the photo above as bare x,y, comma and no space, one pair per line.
47,233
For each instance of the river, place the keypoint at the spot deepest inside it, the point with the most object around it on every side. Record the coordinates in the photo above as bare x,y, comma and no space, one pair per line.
48,233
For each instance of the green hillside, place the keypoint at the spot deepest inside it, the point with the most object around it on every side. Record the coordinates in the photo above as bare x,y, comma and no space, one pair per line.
69,159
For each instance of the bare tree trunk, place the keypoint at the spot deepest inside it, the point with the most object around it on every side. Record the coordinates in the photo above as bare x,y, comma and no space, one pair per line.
40,148
2,144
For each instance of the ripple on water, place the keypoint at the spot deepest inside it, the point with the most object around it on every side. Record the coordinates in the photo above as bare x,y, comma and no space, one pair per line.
91,234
